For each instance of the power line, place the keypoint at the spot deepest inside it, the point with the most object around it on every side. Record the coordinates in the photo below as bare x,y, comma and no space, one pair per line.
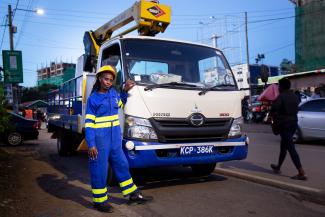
279,48
275,50
21,32
54,47
4,30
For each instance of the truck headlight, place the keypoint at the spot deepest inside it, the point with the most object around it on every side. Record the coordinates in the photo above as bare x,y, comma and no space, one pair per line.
235,129
139,128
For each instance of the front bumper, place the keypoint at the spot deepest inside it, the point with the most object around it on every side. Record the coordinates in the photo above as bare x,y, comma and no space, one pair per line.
154,154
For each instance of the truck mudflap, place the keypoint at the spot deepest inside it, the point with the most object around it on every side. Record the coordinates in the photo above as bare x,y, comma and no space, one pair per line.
154,154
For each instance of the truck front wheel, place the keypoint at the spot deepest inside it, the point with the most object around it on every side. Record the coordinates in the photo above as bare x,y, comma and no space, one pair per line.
203,169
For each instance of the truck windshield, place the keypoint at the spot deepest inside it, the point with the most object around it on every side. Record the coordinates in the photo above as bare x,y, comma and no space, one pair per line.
181,65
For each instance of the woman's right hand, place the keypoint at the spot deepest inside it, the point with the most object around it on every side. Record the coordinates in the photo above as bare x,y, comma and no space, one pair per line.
93,153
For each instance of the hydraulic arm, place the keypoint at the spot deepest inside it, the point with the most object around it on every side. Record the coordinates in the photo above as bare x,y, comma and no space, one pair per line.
150,18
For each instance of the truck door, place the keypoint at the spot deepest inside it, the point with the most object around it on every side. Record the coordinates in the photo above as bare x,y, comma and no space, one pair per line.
111,55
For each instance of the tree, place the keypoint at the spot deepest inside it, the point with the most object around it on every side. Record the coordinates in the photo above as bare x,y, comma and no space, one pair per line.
4,118
287,67
36,93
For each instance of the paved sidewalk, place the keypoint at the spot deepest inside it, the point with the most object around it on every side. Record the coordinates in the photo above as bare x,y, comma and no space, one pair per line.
264,150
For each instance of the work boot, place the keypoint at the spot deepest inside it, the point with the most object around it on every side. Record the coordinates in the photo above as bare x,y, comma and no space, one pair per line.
103,207
301,175
139,198
275,168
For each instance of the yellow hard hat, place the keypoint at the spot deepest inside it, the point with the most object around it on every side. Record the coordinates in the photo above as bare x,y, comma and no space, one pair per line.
106,68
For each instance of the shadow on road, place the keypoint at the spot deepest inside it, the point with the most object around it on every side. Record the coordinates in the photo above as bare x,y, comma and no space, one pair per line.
170,176
61,188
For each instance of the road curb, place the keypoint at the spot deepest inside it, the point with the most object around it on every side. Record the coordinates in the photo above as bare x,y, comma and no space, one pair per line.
306,193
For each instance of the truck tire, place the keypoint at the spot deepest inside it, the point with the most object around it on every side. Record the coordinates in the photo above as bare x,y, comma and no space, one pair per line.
203,169
111,179
62,143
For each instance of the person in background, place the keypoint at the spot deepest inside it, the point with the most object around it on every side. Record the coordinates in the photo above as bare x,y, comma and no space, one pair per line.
28,113
104,140
284,110
316,94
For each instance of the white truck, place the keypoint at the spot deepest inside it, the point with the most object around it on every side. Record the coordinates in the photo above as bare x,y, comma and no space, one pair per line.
185,108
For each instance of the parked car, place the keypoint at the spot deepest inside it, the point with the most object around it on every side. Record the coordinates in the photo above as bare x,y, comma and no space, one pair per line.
20,129
304,97
311,120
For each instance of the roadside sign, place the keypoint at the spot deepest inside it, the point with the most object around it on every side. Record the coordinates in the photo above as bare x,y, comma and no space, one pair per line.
12,66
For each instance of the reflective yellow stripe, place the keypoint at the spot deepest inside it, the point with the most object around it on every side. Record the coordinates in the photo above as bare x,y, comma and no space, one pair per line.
116,123
106,118
90,125
91,117
130,190
99,191
102,125
120,103
100,199
125,183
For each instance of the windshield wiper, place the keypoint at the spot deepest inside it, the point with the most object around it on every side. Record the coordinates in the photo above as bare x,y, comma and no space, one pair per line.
218,86
150,87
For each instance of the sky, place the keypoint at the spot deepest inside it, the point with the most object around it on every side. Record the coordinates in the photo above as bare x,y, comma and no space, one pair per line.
58,34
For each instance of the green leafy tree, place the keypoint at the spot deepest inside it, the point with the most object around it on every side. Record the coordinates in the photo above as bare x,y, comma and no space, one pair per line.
4,118
287,67
36,93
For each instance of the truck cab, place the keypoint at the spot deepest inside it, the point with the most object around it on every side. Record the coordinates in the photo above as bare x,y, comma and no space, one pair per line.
185,108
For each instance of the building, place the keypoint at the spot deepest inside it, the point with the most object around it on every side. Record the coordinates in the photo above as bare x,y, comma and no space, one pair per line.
309,35
56,74
241,74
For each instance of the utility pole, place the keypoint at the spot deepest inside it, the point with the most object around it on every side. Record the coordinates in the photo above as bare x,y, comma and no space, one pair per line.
14,86
215,40
11,33
13,29
247,57
215,45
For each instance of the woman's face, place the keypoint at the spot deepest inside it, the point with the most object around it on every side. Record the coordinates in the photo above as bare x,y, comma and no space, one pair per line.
106,80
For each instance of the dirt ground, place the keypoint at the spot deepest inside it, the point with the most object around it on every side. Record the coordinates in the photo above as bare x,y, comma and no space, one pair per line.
35,182
11,202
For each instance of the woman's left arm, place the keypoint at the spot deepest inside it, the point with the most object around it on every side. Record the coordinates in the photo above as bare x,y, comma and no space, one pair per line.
124,95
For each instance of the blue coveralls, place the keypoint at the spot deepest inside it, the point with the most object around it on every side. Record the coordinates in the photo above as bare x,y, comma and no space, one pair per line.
103,131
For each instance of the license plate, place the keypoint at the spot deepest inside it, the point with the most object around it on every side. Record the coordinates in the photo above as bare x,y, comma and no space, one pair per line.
196,150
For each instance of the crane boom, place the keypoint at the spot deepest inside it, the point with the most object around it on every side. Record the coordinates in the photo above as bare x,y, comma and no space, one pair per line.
150,18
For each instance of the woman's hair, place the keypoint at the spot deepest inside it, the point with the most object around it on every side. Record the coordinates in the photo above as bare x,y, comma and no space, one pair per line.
284,84
96,86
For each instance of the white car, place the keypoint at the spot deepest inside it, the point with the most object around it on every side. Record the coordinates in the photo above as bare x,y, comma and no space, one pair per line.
304,97
311,120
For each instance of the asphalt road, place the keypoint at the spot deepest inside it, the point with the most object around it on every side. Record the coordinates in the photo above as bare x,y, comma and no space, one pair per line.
264,149
35,181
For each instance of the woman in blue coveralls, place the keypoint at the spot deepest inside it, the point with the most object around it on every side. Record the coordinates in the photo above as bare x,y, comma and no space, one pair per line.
103,136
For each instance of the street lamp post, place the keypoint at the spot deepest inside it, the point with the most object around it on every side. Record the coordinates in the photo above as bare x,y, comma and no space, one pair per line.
12,30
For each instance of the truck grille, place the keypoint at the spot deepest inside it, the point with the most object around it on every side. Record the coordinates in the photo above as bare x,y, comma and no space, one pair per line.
180,129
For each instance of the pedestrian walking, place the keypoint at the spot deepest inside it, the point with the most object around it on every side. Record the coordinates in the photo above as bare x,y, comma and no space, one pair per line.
284,111
103,136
